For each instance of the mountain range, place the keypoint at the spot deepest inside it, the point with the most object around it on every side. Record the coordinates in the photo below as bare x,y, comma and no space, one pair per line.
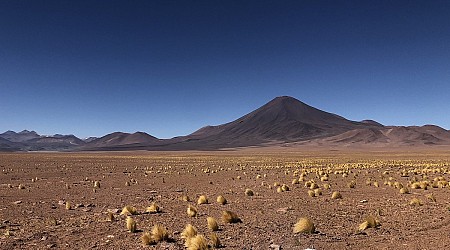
284,121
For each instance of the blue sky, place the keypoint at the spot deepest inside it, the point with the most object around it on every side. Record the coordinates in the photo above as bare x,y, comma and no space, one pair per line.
170,67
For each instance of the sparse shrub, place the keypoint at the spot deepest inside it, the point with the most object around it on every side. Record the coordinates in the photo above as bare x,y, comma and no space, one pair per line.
230,217
96,184
197,242
279,190
131,224
212,224
336,195
191,211
326,186
185,198
313,186
415,185
295,181
221,200
146,239
68,205
284,188
127,183
215,242
415,202
431,197
404,190
318,192
370,222
189,232
110,216
376,184
128,210
153,209
249,192
202,200
159,233
351,184
311,193
304,225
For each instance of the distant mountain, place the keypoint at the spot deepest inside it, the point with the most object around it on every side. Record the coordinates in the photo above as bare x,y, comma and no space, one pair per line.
120,140
32,141
22,136
284,121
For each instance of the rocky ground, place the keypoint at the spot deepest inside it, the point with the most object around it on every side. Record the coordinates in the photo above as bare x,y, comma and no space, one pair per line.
35,187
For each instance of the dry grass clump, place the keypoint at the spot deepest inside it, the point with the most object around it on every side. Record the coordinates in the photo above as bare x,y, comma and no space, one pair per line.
191,211
376,184
185,198
311,193
304,225
230,217
215,242
131,224
404,190
96,184
212,224
295,181
431,197
159,233
189,232
146,239
21,186
415,185
370,222
415,202
285,188
110,216
202,200
68,205
249,192
221,200
336,195
153,209
128,210
318,192
197,242
326,186
279,189
351,184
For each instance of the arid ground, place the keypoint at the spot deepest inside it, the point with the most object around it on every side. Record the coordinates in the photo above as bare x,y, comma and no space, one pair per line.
34,216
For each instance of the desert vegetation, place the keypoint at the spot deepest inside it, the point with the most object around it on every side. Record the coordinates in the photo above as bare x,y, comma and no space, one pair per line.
295,200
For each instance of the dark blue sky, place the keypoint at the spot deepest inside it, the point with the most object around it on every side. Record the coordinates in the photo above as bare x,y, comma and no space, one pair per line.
170,67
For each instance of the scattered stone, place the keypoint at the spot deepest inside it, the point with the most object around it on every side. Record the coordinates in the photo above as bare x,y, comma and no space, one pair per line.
275,247
113,210
284,209
17,202
363,201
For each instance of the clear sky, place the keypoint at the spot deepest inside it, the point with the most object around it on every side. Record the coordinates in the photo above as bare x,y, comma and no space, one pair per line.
170,67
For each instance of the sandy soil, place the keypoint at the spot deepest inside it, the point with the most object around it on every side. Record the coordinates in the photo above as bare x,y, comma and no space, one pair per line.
36,217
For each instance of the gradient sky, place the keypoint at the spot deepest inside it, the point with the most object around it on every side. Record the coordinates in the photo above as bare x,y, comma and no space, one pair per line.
170,67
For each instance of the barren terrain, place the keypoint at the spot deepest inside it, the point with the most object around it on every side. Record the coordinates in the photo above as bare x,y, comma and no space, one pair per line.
35,217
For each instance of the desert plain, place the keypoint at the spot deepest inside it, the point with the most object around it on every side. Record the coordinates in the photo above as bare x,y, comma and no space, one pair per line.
74,200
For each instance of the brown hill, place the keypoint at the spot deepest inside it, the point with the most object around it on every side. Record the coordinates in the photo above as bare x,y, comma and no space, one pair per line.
284,119
120,140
